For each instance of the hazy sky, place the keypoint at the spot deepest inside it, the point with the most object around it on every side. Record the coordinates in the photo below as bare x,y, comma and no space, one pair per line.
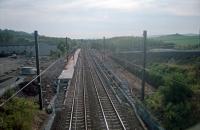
96,18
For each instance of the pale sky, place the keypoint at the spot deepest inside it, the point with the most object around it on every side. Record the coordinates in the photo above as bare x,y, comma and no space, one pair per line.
98,18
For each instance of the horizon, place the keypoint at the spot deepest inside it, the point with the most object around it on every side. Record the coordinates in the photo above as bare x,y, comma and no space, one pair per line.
151,36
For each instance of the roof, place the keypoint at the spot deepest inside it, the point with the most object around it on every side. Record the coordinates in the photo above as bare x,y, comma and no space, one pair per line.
68,72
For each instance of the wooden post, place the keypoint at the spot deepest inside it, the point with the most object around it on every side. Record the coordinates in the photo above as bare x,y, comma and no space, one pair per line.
144,66
38,69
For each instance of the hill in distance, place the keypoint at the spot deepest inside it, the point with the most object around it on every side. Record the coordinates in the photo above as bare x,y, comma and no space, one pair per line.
20,37
179,39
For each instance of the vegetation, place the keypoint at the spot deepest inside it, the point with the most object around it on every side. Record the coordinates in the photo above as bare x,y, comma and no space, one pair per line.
181,41
175,83
10,37
158,72
61,50
130,43
177,79
127,44
174,102
64,48
23,38
18,114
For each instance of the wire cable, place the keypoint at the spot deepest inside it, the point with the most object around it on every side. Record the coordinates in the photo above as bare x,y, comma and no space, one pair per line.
7,100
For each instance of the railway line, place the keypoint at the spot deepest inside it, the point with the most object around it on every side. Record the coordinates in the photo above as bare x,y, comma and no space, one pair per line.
89,103
114,89
109,111
78,115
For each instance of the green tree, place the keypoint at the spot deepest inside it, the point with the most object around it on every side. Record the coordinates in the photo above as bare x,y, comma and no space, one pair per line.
61,47
175,89
6,36
176,102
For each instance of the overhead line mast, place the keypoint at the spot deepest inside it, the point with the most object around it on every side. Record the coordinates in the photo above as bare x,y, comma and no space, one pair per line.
144,66
38,70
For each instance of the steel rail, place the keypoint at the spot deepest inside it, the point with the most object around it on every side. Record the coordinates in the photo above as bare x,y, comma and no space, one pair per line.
84,99
112,104
99,100
73,103
117,113
116,84
76,98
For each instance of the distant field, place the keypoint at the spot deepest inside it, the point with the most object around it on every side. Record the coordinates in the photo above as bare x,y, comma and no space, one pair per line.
179,40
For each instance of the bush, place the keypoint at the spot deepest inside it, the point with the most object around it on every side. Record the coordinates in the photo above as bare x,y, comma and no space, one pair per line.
176,102
8,94
18,114
171,103
177,116
154,79
175,89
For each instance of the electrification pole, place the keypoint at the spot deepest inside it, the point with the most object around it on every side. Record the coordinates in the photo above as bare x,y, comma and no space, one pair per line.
199,38
38,69
104,48
144,66
67,48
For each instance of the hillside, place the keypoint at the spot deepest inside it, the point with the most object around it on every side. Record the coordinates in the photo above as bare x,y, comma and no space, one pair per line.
131,43
47,45
19,37
179,40
171,41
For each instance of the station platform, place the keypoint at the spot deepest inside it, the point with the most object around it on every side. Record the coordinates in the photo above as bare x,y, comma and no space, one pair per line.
68,71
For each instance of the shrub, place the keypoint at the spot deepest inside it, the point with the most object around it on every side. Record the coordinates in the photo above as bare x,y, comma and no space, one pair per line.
175,89
176,102
177,116
18,114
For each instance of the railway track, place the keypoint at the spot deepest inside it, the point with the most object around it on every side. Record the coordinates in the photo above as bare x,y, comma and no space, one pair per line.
89,103
132,119
79,113
110,110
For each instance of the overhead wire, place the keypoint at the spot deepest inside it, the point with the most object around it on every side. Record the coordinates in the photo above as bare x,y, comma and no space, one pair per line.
13,95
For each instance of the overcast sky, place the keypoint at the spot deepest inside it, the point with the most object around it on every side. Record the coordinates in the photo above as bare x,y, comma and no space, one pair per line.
98,18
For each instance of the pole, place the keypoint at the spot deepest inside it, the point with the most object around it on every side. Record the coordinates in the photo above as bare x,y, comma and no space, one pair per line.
144,66
199,38
104,47
38,70
67,48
